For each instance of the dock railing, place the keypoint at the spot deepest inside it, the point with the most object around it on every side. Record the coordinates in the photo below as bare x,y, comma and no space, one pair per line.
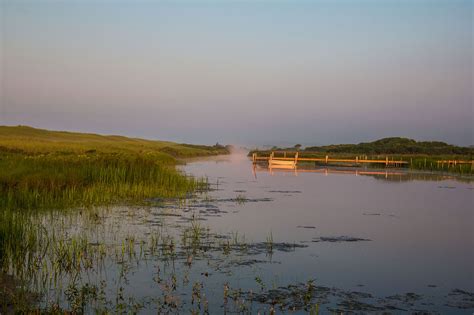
326,159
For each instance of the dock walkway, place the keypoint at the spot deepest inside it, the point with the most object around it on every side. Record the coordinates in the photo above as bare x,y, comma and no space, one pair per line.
291,162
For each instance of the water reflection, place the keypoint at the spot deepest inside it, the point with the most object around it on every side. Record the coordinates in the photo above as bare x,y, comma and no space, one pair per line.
344,240
419,225
387,174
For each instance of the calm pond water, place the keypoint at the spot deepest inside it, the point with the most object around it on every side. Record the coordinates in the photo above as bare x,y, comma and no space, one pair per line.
420,226
262,241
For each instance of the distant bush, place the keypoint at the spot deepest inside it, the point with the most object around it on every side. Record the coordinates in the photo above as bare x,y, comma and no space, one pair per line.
395,145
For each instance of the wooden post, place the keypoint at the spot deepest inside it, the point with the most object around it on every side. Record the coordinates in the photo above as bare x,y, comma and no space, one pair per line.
327,159
386,161
357,160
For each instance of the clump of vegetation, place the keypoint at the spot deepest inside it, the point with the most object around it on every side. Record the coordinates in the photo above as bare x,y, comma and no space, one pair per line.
241,199
16,236
395,145
51,181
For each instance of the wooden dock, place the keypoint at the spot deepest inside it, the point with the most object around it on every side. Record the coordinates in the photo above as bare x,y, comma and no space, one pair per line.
291,162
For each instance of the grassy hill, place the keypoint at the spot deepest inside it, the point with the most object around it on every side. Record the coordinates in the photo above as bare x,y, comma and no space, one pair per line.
395,145
30,140
52,169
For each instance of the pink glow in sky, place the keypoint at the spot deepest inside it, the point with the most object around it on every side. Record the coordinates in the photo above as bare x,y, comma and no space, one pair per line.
312,72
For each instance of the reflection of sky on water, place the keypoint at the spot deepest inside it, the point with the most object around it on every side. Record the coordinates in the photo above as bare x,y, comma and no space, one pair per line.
385,174
417,238
420,224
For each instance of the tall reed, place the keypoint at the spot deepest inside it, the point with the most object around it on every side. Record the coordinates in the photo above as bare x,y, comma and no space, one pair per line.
52,181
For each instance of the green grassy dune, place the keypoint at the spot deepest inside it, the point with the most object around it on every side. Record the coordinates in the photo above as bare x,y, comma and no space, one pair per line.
52,169
32,141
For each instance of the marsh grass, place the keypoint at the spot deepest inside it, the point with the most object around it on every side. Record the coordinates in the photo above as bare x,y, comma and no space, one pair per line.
50,169
44,172
17,237
37,182
241,199
269,243
66,259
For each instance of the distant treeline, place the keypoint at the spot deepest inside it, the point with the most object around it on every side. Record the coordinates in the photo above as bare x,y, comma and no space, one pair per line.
395,145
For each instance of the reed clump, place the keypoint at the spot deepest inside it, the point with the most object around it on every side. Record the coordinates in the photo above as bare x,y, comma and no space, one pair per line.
52,181
17,237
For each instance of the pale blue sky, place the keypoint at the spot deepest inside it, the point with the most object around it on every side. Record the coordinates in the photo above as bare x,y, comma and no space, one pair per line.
248,72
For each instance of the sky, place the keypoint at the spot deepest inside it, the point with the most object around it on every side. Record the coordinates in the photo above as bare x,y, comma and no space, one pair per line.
241,72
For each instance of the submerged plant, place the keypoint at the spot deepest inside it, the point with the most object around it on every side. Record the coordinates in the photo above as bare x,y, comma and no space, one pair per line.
240,199
260,283
269,243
